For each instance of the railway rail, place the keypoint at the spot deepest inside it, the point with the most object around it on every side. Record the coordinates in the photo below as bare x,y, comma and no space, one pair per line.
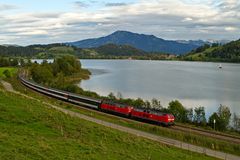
91,104
216,135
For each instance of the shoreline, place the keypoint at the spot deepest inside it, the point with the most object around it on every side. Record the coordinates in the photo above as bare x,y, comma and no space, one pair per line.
127,59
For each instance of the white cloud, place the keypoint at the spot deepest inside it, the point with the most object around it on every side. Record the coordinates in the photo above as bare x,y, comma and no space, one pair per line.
231,28
4,7
169,19
35,32
187,19
80,4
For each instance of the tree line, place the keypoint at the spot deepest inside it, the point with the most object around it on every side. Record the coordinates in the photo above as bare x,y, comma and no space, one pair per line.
14,62
8,62
219,120
17,51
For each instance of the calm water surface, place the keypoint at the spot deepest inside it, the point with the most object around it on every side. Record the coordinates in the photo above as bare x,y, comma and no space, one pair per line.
192,83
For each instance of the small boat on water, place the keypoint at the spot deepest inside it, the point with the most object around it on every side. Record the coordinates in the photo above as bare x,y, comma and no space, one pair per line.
220,66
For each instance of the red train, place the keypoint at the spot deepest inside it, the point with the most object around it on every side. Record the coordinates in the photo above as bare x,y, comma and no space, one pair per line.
107,106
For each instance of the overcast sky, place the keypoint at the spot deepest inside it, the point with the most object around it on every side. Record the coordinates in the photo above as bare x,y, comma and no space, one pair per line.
26,22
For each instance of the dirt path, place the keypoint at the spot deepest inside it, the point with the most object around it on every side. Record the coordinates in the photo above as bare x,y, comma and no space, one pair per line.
136,132
7,86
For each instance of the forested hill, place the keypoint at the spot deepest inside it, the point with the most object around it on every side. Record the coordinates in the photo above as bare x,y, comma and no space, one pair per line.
32,50
119,50
38,51
17,51
229,52
55,50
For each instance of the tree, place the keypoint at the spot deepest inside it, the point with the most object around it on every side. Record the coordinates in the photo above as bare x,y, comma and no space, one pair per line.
156,104
199,116
60,81
119,95
190,114
13,62
66,64
7,73
147,104
236,122
212,118
4,62
139,103
22,63
215,44
41,74
177,109
73,65
111,96
224,115
222,118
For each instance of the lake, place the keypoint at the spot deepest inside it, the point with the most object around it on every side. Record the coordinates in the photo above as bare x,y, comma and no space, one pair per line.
192,83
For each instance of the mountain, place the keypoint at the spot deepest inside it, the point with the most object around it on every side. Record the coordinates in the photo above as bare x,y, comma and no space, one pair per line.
10,45
223,41
229,52
194,42
148,43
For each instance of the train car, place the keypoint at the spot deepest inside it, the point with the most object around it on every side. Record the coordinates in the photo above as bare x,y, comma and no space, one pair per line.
116,108
157,117
44,90
51,92
85,101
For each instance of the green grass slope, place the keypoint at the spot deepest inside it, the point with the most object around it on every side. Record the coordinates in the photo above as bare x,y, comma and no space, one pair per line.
12,71
31,130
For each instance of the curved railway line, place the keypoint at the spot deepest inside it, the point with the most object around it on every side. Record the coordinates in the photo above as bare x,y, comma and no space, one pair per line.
91,106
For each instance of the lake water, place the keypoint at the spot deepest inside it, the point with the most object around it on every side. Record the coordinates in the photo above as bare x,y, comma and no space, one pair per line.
192,83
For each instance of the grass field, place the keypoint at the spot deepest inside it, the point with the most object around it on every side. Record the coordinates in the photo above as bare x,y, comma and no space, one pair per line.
31,130
12,71
192,138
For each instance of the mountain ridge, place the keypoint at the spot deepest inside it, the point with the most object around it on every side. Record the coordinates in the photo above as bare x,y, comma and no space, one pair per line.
147,43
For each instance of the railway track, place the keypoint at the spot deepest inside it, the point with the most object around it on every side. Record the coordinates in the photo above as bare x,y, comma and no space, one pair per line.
217,135
186,129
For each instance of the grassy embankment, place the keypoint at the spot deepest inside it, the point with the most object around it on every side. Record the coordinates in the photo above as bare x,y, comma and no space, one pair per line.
192,138
31,130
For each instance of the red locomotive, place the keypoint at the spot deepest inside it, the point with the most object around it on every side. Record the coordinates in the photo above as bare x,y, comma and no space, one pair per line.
116,108
143,114
149,115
